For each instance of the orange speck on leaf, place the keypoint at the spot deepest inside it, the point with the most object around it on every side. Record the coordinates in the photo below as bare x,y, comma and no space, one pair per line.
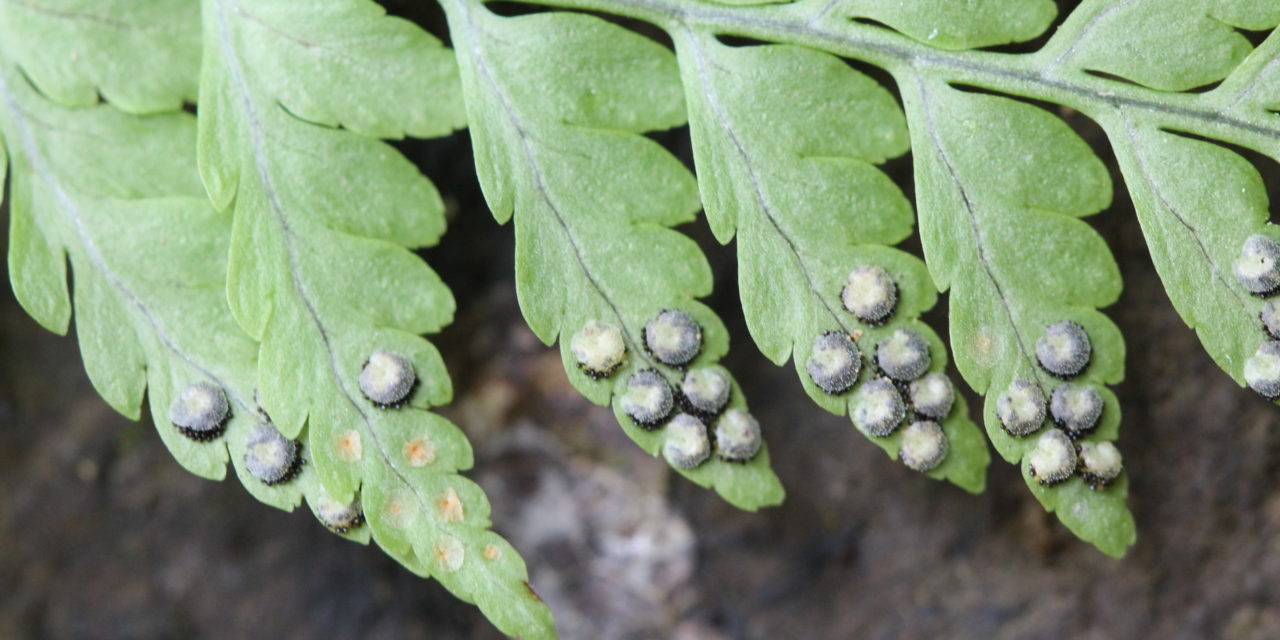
450,506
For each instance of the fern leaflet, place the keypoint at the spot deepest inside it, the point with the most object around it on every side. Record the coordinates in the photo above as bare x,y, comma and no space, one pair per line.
320,273
552,99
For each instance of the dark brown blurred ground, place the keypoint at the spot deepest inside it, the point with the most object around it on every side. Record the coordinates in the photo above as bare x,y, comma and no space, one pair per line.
102,535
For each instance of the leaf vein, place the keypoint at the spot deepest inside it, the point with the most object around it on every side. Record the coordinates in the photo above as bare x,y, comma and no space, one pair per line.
536,173
99,262
713,100
979,241
287,235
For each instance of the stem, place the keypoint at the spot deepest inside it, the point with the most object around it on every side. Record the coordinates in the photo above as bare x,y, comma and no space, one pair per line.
1039,76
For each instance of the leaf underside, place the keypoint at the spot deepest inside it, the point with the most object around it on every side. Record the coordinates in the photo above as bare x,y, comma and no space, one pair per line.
786,137
270,242
320,270
270,300
555,105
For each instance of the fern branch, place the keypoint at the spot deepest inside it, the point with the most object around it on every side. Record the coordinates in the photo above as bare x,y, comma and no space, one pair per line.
827,26
551,100
1194,241
150,304
1004,239
809,207
321,215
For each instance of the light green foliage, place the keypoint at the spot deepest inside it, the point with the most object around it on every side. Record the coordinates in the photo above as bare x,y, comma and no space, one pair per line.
554,104
303,265
786,139
1002,183
985,198
59,45
958,24
151,308
1172,45
321,274
1198,201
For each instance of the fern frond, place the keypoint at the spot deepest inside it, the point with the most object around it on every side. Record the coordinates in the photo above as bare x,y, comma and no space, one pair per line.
1001,186
1198,202
150,302
555,103
961,205
786,140
141,55
321,274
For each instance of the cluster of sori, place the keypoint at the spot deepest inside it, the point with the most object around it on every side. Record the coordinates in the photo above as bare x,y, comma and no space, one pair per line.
673,339
901,361
201,412
1063,350
1258,270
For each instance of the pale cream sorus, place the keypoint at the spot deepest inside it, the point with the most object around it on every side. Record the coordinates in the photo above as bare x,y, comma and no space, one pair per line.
834,363
598,347
1101,460
1258,267
687,444
1021,407
738,435
1053,459
707,389
1262,369
878,408
673,337
924,446
386,378
932,395
870,293
904,355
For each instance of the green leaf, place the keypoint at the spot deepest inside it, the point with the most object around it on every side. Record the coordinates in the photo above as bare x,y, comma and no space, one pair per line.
959,24
1139,40
795,178
555,102
1252,15
1001,185
1197,203
151,310
141,55
321,273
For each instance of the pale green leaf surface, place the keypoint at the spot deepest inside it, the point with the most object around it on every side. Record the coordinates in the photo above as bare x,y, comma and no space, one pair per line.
151,309
1247,14
321,272
141,55
1253,15
1197,203
786,140
743,3
1000,186
1252,92
959,24
554,102
347,63
1171,45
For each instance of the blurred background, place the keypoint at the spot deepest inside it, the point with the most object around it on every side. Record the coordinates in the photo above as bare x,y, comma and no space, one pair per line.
103,535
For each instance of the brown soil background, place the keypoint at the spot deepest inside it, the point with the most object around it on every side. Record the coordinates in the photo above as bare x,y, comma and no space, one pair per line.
102,535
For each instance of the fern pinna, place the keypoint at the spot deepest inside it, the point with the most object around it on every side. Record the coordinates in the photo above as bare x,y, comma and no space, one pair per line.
251,265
